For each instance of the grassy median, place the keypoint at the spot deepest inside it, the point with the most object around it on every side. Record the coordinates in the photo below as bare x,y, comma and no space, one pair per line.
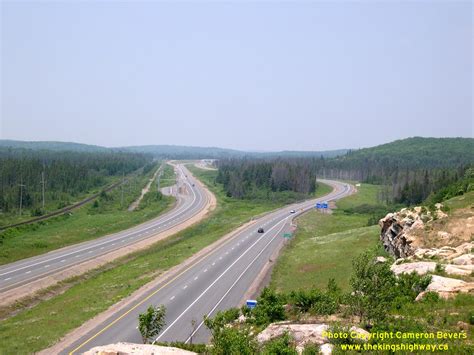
88,295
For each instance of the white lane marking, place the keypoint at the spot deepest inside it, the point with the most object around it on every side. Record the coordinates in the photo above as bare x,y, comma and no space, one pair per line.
226,253
113,243
232,248
28,272
47,266
78,256
63,260
195,278
172,298
91,251
185,287
220,257
101,248
205,270
214,263
223,273
8,278
240,276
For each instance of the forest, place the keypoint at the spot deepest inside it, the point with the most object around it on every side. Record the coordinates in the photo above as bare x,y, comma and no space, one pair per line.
409,170
64,176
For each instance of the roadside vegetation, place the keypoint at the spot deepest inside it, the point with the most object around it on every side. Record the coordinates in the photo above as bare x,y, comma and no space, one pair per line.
64,176
325,244
376,300
106,214
42,324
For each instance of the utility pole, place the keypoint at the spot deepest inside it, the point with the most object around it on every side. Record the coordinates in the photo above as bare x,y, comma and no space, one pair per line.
21,194
42,185
123,181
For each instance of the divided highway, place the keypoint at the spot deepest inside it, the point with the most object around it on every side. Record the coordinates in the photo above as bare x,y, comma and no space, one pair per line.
26,271
217,281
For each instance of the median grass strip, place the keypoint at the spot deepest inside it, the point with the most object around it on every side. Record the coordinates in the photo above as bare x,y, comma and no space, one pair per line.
325,244
107,214
86,296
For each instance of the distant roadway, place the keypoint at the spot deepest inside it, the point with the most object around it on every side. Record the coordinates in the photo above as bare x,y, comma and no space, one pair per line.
217,281
26,271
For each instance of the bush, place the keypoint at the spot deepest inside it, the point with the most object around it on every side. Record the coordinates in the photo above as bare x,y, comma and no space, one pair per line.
151,322
229,340
270,308
316,301
283,345
408,286
373,285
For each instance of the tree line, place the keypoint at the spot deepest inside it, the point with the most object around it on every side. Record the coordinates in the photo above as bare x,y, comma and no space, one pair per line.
64,174
245,178
410,170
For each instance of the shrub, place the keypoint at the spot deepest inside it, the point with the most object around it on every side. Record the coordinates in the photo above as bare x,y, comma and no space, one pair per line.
270,307
373,288
229,340
282,345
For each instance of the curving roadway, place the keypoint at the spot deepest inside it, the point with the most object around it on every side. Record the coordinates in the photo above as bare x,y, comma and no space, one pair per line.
217,281
30,270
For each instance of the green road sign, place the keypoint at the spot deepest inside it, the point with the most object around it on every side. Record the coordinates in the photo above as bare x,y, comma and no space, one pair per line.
287,235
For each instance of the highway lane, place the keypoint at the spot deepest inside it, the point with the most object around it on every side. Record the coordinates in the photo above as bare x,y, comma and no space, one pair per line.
28,270
214,282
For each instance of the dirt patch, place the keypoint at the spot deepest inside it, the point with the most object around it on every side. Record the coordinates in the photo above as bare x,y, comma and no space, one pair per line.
19,294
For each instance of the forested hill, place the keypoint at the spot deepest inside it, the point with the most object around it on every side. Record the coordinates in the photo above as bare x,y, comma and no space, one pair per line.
416,152
50,145
169,151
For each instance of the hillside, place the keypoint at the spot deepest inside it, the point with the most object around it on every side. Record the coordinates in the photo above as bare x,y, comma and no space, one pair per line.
415,152
51,145
167,151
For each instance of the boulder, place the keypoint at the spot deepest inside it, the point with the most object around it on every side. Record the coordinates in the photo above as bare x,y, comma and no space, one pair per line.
326,349
420,267
447,287
302,333
136,349
462,270
465,259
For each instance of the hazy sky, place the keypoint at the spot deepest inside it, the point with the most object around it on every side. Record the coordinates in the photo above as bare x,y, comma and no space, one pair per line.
255,76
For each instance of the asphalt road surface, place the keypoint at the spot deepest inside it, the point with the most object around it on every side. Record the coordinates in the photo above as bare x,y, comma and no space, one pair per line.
217,281
28,270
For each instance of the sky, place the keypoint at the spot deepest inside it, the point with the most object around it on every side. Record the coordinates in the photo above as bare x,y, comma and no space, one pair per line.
264,76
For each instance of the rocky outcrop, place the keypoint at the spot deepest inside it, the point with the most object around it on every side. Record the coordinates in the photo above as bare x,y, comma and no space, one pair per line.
421,268
136,349
446,287
304,334
398,229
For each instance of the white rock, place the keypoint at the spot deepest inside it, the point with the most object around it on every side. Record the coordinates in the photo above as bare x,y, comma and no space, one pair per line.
138,349
326,349
459,269
380,259
420,267
302,333
466,259
447,287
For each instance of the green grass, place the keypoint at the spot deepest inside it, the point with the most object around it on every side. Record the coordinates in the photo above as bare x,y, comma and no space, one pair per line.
88,222
88,295
462,201
325,244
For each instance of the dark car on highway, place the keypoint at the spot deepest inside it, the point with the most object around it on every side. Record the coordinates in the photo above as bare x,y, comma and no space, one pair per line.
260,230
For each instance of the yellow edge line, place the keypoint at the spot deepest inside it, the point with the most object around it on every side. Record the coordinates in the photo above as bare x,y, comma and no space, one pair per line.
149,296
